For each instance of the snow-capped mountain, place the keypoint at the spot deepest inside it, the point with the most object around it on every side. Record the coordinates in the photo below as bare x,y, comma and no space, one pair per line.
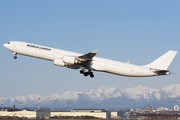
139,96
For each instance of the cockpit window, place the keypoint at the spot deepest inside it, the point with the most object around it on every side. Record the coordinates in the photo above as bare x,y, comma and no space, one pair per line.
8,42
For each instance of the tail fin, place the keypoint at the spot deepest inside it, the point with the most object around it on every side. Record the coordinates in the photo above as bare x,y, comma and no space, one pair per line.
164,61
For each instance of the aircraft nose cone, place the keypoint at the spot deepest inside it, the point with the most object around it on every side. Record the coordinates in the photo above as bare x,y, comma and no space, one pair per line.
5,45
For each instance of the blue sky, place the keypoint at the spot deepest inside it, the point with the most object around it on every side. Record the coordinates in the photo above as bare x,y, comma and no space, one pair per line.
137,31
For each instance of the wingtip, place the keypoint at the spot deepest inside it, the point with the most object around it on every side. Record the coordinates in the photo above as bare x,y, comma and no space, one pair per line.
173,51
95,51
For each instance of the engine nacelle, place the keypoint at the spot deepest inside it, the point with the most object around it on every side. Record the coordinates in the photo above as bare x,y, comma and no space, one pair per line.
59,62
69,60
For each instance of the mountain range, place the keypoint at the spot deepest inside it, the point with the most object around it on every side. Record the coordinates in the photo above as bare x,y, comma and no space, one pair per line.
103,97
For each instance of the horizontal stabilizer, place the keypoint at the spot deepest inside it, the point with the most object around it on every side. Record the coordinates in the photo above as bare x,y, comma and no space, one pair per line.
162,72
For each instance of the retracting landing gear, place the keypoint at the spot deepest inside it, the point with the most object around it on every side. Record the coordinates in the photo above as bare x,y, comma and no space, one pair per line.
87,73
15,57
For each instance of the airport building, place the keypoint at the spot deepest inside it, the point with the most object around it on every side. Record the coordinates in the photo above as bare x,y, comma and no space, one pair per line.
84,112
24,113
117,114
46,114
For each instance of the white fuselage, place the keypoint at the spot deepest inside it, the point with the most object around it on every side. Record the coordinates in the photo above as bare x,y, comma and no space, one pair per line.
98,64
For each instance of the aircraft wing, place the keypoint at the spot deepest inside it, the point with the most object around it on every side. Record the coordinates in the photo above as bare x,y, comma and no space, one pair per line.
88,56
84,61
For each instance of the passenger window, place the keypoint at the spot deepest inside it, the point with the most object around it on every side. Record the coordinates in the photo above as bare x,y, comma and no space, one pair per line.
8,43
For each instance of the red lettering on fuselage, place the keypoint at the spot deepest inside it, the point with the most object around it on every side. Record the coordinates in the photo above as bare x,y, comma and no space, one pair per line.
152,69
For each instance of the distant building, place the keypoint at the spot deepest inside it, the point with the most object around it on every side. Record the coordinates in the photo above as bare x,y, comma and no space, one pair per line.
43,114
47,114
131,110
171,109
24,113
126,115
176,107
138,110
117,114
160,109
101,113
147,109
114,115
154,110
89,110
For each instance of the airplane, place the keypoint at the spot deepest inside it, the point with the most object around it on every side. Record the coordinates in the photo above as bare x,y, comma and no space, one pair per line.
88,62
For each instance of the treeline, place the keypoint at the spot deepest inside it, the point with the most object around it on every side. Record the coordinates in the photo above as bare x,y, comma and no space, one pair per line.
75,117
158,115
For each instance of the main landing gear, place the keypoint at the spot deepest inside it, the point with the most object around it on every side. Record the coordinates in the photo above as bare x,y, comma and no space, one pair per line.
87,73
15,57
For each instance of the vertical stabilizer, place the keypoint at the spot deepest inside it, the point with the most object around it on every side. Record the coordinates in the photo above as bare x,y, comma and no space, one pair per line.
163,62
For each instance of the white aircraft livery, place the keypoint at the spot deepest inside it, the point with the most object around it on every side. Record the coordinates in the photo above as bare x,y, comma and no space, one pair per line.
88,63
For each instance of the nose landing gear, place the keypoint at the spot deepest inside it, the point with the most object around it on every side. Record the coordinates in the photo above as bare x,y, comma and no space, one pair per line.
15,57
87,73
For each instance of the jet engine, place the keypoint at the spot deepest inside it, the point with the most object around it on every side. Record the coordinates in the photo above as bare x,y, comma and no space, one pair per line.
59,62
70,60
65,61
